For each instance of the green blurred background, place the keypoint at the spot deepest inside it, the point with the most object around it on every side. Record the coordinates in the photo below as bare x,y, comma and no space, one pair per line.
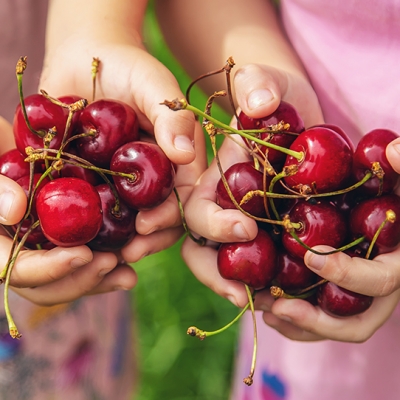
168,299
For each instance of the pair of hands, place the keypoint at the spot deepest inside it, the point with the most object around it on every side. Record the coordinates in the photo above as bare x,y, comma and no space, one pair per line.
296,319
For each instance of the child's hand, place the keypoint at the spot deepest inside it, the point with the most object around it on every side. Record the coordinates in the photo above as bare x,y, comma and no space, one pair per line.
59,275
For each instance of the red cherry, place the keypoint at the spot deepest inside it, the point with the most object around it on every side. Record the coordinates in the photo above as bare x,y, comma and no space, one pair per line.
368,215
326,164
339,302
243,178
43,115
321,224
69,211
153,170
372,148
14,166
253,262
285,112
114,123
117,229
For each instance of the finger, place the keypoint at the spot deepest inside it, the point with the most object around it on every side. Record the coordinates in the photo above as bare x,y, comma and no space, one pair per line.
202,261
144,245
7,137
13,201
260,88
39,267
205,217
377,277
74,285
393,154
309,318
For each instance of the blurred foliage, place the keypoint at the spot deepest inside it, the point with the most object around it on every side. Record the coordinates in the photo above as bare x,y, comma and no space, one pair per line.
168,299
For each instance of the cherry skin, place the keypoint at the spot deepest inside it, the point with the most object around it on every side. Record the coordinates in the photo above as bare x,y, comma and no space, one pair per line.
69,211
14,166
340,302
253,262
372,148
321,224
340,131
43,115
368,215
293,274
326,164
113,122
118,228
154,175
285,112
243,178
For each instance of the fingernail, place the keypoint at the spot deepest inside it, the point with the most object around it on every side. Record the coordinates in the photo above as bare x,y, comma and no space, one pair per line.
183,143
258,98
120,288
78,262
285,318
264,307
232,299
6,202
103,272
240,232
397,147
315,261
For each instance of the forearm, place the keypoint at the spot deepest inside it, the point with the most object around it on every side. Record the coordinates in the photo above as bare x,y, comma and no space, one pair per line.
203,34
107,20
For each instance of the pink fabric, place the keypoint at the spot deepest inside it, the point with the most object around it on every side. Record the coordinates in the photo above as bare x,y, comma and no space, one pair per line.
351,50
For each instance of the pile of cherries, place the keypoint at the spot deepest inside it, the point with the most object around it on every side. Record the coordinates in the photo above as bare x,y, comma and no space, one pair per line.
311,187
87,170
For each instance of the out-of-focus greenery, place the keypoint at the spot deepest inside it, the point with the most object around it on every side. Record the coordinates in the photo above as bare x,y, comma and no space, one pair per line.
168,299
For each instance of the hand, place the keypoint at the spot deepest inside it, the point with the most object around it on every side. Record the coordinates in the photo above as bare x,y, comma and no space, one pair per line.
61,274
129,73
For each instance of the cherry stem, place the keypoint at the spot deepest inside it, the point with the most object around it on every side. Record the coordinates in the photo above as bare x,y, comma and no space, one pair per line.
20,68
249,379
201,334
95,71
390,217
200,241
277,292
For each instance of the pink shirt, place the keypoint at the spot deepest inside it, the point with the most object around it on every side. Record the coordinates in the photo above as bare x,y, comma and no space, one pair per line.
351,50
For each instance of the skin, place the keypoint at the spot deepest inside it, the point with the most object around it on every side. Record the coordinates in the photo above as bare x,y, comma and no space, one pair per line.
73,39
260,82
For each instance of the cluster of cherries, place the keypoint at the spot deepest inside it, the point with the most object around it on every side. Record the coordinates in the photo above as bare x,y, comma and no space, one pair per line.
87,170
321,190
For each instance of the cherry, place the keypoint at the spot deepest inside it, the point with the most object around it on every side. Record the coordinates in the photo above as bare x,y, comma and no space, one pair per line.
243,178
43,115
113,123
292,273
118,226
367,217
339,302
286,113
14,166
340,131
153,171
321,224
326,163
253,262
371,149
69,211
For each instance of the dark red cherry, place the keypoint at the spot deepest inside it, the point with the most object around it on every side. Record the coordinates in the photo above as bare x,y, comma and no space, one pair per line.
118,226
154,174
113,123
371,149
326,164
14,166
367,217
321,224
286,113
340,302
243,178
340,131
292,273
253,262
43,115
69,211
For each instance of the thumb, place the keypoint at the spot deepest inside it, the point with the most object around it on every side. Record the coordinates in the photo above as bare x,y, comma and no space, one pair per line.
13,201
393,154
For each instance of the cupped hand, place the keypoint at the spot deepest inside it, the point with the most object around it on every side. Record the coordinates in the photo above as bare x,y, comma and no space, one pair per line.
259,90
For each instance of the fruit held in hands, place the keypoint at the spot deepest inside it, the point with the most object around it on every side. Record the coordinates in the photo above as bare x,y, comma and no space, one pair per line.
253,263
154,174
69,211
